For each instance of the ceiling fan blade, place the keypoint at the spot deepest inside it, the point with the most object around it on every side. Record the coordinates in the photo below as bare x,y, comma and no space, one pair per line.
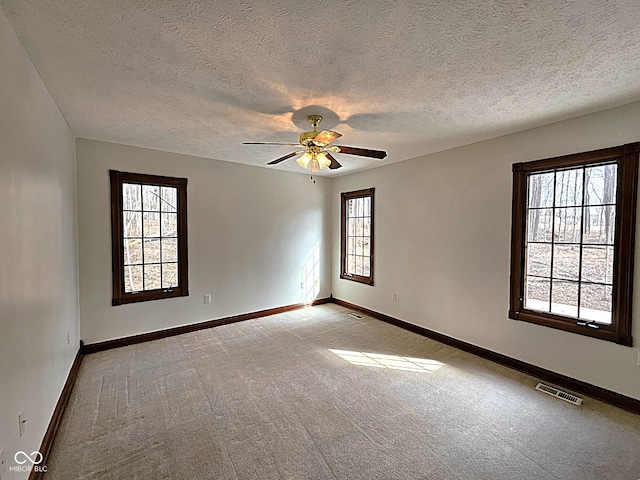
363,152
271,143
334,163
282,159
325,137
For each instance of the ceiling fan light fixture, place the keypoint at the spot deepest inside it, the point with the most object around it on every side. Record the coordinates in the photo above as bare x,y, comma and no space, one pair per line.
304,160
314,165
323,160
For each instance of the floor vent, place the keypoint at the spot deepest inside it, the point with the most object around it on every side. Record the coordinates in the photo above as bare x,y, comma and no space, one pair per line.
567,397
355,315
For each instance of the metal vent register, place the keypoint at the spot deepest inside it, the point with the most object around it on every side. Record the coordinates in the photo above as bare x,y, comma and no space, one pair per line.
554,392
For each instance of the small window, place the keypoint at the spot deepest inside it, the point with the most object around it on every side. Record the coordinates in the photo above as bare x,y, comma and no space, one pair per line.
149,237
357,236
572,242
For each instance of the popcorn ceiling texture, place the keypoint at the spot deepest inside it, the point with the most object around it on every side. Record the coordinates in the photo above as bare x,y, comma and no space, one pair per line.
409,77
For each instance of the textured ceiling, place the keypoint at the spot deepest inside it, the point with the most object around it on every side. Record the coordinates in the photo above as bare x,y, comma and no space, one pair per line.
408,77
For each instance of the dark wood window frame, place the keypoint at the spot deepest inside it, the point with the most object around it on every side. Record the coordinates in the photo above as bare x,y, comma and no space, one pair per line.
345,197
626,157
117,179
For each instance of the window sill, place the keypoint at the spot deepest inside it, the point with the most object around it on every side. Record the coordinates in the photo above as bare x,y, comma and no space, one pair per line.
604,332
357,278
148,296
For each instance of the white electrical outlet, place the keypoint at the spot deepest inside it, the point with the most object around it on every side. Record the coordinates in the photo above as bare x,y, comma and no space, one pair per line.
639,359
207,298
394,297
22,422
68,338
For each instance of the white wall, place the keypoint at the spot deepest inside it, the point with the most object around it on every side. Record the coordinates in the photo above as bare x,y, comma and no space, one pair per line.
251,231
38,250
442,242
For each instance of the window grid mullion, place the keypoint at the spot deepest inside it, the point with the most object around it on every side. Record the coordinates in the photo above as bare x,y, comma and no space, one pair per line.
582,227
144,264
553,233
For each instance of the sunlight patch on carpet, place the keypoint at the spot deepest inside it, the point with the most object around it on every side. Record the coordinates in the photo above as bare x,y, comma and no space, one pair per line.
396,362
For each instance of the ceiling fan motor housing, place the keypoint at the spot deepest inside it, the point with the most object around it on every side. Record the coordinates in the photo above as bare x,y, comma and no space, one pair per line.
306,138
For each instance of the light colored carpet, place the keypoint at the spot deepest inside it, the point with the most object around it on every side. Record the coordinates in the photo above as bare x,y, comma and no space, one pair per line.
292,396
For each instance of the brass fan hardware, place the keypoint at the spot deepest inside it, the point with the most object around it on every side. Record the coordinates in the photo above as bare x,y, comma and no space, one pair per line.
316,154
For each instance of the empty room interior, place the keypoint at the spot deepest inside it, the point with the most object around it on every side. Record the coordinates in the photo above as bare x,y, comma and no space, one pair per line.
323,240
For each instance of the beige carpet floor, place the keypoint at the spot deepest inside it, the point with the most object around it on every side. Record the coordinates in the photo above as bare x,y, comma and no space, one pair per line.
317,394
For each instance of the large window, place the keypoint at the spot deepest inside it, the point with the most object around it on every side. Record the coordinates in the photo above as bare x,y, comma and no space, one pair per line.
572,242
357,236
149,237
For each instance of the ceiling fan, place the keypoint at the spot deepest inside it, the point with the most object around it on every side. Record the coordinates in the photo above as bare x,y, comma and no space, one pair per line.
316,154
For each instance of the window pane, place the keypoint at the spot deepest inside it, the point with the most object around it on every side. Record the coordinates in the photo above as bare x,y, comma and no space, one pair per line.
601,225
595,303
169,226
150,198
351,231
597,264
359,246
359,226
541,190
566,261
169,275
132,251
568,187
351,207
131,196
351,264
169,250
358,265
131,224
359,206
539,259
365,247
601,184
367,206
351,250
564,299
537,294
567,225
152,277
366,226
169,199
132,278
366,270
540,225
151,224
151,251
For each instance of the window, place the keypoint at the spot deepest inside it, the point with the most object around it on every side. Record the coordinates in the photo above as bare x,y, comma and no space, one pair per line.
356,249
149,237
572,242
